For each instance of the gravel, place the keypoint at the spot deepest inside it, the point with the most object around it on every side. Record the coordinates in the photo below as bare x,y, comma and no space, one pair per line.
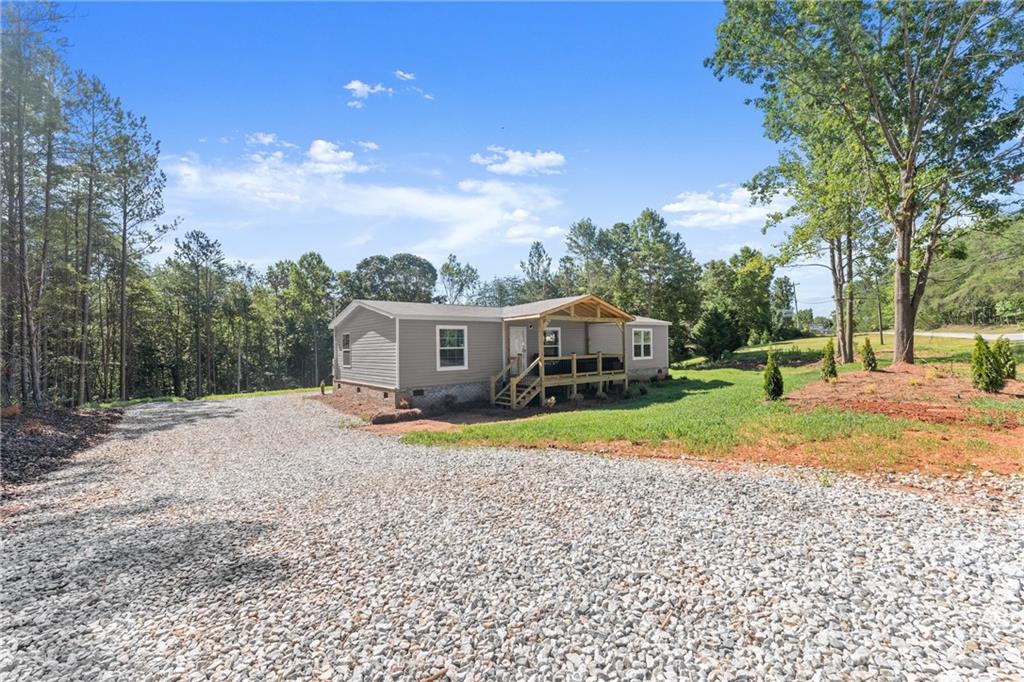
255,538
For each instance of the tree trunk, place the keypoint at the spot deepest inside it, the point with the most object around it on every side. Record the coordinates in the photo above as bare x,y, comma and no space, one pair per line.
121,302
903,318
878,292
836,266
849,296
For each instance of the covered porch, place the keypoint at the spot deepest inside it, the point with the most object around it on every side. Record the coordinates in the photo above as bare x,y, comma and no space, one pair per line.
546,346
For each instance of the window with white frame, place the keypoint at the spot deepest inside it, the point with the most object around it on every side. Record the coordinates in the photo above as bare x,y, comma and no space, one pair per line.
346,350
552,342
643,344
452,348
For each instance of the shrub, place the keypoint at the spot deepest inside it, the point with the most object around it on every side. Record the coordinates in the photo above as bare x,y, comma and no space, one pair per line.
986,373
867,356
772,378
828,361
716,333
1004,358
642,389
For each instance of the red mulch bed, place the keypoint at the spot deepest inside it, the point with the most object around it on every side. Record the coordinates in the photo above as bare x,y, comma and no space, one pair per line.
923,393
42,439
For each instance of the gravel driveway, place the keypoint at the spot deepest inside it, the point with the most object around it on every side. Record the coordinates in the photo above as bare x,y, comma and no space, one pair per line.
255,538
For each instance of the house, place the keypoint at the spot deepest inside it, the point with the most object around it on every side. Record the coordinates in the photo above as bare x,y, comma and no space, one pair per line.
427,354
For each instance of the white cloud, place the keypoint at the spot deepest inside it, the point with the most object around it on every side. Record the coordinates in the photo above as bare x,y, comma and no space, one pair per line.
421,92
326,157
511,162
721,210
258,139
360,91
526,233
404,75
368,144
275,189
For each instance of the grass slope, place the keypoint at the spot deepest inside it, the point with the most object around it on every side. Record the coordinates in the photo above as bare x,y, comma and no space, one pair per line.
107,404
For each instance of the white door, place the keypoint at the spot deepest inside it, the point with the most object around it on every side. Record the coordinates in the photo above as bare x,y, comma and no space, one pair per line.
517,348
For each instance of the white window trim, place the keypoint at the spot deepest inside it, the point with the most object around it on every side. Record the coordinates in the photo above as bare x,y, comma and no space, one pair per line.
554,329
344,350
633,343
465,347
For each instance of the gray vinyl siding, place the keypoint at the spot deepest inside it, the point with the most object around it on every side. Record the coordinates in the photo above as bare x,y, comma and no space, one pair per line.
607,338
373,349
574,337
418,353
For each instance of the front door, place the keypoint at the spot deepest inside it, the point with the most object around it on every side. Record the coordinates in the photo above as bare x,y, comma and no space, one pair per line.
517,348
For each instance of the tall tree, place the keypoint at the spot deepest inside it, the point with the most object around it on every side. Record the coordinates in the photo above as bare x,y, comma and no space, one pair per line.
93,110
137,185
539,281
458,280
921,89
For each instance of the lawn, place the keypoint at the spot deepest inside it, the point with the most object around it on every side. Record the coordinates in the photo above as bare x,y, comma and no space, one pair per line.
107,404
719,412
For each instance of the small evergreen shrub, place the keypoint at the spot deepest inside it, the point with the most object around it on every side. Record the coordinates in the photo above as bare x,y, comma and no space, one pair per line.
867,356
986,373
828,361
1004,358
772,378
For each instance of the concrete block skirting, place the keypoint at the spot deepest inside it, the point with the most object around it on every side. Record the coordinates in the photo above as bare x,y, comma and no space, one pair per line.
647,374
388,397
435,396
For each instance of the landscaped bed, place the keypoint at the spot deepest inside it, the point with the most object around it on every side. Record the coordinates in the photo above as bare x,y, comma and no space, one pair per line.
925,418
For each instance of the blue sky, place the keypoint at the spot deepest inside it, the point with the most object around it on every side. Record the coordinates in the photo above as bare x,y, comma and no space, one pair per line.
468,128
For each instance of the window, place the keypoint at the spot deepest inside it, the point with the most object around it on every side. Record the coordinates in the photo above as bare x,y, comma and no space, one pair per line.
346,350
643,346
552,342
451,348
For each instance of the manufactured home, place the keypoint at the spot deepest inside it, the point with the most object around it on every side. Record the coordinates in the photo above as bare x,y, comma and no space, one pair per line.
425,354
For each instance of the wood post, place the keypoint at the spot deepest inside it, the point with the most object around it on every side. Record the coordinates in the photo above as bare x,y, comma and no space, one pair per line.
542,323
625,355
574,373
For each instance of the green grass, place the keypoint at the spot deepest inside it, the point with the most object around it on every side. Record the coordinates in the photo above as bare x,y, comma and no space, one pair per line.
255,394
710,411
108,404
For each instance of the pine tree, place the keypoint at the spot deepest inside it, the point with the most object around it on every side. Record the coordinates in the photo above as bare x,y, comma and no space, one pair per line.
986,374
867,355
772,378
828,361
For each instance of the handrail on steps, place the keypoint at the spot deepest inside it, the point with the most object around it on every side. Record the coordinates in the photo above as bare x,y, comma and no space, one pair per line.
498,377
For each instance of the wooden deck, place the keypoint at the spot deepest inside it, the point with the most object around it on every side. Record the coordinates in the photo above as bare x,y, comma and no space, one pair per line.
516,391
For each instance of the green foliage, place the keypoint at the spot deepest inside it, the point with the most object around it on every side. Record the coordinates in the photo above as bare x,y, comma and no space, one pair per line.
828,361
772,378
716,333
867,356
986,371
1002,354
458,280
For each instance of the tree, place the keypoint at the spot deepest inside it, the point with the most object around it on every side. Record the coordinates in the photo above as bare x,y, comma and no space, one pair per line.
458,280
782,297
986,371
137,185
402,277
867,355
773,387
828,361
920,88
501,291
93,110
716,333
1003,356
538,281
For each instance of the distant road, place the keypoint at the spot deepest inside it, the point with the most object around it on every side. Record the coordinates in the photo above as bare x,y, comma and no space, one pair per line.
1017,337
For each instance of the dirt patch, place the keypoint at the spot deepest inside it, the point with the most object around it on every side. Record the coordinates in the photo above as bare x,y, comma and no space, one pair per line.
927,394
39,440
351,405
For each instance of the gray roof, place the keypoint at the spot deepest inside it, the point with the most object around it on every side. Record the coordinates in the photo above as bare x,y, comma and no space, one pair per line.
444,311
